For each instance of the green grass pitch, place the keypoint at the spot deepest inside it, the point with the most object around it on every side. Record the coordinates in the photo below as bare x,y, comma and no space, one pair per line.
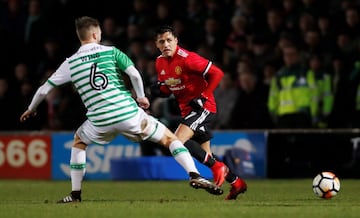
265,198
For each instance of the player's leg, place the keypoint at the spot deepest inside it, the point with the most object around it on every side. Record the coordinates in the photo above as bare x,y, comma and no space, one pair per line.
77,170
196,126
185,133
238,185
157,132
222,172
183,157
85,135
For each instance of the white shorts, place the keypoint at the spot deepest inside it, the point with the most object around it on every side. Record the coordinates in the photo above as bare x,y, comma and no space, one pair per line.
138,128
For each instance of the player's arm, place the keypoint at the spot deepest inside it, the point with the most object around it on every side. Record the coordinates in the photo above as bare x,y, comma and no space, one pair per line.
138,86
126,65
213,76
60,77
39,96
210,72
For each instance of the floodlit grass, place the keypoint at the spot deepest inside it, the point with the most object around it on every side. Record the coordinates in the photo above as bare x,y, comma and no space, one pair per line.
264,198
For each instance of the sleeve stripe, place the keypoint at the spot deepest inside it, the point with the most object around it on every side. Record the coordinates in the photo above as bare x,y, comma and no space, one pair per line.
207,68
51,83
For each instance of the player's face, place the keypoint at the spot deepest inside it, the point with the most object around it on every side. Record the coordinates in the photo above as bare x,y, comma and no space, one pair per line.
167,44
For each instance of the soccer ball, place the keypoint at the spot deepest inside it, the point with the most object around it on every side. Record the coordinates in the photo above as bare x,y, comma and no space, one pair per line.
326,185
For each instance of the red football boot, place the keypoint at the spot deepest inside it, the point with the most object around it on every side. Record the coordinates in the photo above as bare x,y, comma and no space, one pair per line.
219,171
237,187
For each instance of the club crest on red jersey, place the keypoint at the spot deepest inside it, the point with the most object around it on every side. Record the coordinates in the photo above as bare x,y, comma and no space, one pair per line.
178,70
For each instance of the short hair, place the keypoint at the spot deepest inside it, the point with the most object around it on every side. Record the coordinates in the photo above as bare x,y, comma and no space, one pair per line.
164,29
83,24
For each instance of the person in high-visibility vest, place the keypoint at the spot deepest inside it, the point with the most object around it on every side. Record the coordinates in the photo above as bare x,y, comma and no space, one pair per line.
325,93
293,94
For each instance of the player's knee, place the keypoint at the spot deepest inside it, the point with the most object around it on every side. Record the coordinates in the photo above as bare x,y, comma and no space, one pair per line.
78,143
168,138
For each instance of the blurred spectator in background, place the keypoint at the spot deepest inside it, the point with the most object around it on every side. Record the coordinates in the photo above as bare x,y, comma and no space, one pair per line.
20,74
194,19
21,101
292,99
344,47
312,7
133,32
136,49
291,13
140,14
213,37
274,26
306,22
225,95
352,24
232,54
268,72
254,12
214,8
250,109
285,39
13,19
354,98
340,71
150,48
311,44
324,90
51,57
184,35
239,28
36,33
164,13
112,33
262,53
327,37
7,113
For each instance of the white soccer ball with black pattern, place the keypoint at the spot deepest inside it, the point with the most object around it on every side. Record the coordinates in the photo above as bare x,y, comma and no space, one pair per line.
326,185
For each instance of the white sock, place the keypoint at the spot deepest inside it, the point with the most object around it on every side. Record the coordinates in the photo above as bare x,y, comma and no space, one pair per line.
182,156
77,168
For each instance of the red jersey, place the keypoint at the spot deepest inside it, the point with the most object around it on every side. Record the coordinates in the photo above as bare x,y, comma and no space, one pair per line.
188,75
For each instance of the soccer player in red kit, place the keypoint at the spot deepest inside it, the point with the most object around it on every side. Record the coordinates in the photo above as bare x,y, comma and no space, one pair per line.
192,79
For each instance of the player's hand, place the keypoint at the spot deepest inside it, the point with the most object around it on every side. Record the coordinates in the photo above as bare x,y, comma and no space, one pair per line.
155,90
143,102
26,115
198,103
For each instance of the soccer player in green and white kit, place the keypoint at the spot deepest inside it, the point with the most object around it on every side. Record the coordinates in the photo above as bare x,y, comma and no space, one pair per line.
96,72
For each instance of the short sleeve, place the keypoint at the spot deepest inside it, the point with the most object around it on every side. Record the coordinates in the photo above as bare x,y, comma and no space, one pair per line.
122,60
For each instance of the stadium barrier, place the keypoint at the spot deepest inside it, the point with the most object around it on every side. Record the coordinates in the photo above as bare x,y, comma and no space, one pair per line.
252,154
306,152
151,168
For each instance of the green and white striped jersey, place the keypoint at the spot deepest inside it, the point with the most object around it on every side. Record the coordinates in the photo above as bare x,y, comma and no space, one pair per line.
95,70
